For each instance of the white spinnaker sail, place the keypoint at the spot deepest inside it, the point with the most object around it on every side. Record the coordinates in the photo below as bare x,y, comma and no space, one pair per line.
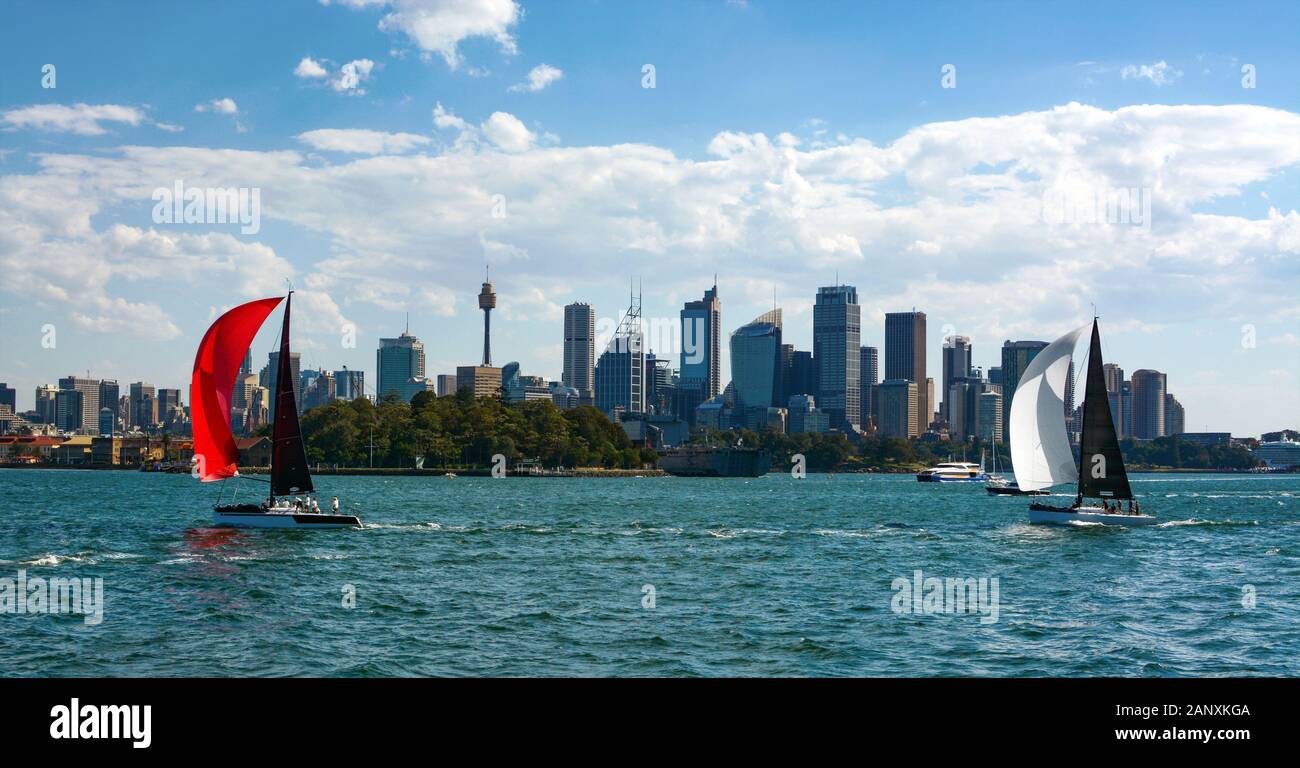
1040,447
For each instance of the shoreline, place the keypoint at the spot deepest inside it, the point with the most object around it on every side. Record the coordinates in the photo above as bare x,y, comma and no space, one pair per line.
586,472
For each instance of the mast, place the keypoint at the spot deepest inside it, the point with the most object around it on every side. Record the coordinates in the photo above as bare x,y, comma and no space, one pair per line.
289,473
1101,465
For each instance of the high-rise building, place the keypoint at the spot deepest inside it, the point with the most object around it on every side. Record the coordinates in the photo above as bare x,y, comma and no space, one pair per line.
487,301
273,369
168,400
518,388
898,408
89,389
837,350
962,404
46,408
320,390
1016,356
803,374
990,416
446,384
1149,390
658,384
106,421
349,384
804,416
1115,384
905,358
869,375
144,405
480,380
1175,418
701,355
70,411
956,365
579,348
109,393
620,371
399,362
995,376
9,397
755,364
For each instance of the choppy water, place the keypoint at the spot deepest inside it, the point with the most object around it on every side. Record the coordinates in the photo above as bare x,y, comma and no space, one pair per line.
767,576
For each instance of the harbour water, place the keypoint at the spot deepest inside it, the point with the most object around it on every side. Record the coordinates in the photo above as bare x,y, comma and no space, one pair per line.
653,576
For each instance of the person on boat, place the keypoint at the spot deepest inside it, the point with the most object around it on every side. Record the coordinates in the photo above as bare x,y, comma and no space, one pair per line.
1078,501
334,505
1137,508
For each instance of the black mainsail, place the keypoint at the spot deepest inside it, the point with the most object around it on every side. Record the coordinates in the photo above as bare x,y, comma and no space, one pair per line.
289,473
1101,466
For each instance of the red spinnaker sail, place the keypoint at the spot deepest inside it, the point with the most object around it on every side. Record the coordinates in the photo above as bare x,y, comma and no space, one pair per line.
215,366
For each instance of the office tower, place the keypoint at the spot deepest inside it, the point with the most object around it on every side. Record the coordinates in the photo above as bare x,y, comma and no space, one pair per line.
398,362
487,301
446,384
905,358
106,420
701,356
109,393
70,410
480,380
658,382
995,376
898,408
803,374
1114,377
1149,392
837,350
1175,418
869,374
89,389
246,367
927,413
319,389
168,400
295,367
755,363
349,384
1015,358
990,416
144,406
1126,398
45,403
620,372
956,365
805,416
9,397
579,347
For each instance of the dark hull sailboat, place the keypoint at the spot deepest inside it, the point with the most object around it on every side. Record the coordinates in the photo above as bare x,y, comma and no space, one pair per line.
1100,472
290,501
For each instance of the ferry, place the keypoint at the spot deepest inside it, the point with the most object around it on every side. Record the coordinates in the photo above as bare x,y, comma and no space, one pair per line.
953,472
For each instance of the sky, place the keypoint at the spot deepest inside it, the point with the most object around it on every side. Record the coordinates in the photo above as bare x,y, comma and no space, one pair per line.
948,157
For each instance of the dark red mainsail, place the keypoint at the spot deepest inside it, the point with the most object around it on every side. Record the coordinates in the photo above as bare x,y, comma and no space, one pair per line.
215,366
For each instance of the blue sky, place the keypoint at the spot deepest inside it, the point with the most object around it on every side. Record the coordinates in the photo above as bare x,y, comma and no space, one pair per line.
782,143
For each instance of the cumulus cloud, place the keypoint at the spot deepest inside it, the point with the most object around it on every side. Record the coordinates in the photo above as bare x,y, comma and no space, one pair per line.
82,119
310,69
508,132
1159,73
439,26
539,77
222,106
361,141
348,78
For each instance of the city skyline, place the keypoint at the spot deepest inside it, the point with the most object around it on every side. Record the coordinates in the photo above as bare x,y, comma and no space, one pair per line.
389,190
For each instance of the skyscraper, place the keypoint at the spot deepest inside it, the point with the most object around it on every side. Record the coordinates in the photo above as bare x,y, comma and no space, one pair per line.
956,365
837,351
898,408
273,366
487,301
144,405
1149,390
89,389
109,392
1175,419
46,406
399,362
990,416
9,397
869,376
446,384
755,364
349,384
620,372
70,411
701,355
579,348
905,358
1015,359
168,399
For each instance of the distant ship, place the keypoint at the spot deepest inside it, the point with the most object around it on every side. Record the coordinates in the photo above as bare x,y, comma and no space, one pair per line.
716,462
952,472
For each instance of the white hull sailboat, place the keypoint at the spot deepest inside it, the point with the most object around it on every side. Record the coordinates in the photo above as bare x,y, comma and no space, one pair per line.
1040,447
291,502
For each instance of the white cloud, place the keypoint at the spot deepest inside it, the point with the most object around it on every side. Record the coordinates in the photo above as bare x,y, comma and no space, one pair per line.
1159,73
310,69
82,119
444,119
439,26
539,77
352,75
361,141
508,132
222,106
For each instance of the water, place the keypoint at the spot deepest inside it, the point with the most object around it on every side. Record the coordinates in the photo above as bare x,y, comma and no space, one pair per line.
767,576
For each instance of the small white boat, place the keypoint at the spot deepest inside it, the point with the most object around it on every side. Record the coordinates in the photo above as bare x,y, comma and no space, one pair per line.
952,472
1040,449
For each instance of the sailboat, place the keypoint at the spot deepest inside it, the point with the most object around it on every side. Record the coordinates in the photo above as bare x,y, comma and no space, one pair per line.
289,503
1040,448
1000,486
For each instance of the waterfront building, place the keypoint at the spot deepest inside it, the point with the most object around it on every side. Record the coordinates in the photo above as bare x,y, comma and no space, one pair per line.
579,347
869,376
837,351
89,389
1149,390
898,408
1016,356
990,416
398,362
905,359
480,380
1208,439
701,351
1175,418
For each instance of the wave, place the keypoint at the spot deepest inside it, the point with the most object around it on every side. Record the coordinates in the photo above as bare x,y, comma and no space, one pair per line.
1195,521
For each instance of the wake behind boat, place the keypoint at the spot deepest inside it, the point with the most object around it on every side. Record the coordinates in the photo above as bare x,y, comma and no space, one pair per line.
291,502
1040,448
